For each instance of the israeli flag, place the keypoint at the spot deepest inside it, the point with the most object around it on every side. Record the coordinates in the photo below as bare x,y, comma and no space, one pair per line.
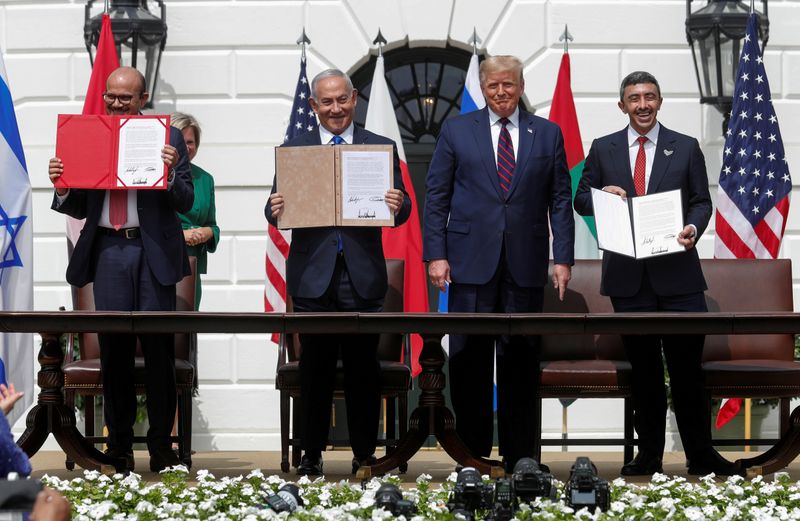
16,249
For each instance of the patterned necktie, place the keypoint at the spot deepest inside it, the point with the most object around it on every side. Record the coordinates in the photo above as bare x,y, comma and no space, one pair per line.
338,140
118,208
638,171
505,157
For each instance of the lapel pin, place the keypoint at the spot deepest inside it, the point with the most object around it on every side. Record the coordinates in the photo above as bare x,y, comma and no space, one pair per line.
530,131
667,152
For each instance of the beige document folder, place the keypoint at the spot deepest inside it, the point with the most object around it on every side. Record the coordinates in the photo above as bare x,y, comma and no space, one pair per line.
340,185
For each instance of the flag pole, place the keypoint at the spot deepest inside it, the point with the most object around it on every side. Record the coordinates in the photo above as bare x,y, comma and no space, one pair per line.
474,40
380,41
566,38
302,41
748,410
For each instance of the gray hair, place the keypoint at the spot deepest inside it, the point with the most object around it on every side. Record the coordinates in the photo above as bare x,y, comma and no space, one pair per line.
635,78
182,121
502,63
330,73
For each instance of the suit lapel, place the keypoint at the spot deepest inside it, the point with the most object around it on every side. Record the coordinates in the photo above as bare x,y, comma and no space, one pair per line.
620,155
359,136
483,142
664,151
527,132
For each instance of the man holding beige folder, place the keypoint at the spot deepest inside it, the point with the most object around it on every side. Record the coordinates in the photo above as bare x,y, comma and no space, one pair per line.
338,268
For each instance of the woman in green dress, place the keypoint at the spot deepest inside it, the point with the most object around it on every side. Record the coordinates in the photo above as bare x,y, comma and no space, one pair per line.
200,228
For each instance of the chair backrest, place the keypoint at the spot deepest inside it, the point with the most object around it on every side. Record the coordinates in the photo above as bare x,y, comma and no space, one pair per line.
390,346
185,293
582,296
748,285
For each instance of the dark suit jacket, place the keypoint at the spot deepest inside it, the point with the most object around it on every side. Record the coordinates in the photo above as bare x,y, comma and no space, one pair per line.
312,253
162,236
468,220
678,164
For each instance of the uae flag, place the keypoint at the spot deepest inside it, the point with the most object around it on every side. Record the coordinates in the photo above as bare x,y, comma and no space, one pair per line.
562,113
404,241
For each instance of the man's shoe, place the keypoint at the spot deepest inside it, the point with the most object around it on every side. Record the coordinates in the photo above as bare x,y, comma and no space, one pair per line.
123,459
644,464
363,462
163,458
310,466
712,462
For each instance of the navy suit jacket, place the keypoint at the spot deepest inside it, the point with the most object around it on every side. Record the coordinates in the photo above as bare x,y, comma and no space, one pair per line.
468,220
313,251
678,164
162,235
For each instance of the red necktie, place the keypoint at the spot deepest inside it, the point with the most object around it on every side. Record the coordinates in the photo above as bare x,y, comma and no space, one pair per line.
118,208
638,171
505,157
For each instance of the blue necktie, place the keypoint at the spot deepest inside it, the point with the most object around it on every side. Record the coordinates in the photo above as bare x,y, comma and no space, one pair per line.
338,140
505,157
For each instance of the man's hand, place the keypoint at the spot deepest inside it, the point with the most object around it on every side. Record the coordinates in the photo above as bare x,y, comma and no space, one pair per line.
616,190
439,273
687,237
170,156
561,275
55,171
8,397
50,505
394,199
276,203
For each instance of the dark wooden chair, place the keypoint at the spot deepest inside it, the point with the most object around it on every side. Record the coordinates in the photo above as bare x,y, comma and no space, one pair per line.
585,366
394,354
83,377
751,366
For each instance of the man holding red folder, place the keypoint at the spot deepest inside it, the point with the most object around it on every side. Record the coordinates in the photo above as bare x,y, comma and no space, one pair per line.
132,249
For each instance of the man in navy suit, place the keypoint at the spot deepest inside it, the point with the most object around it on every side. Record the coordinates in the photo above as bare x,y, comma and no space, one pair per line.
134,256
496,176
338,269
657,159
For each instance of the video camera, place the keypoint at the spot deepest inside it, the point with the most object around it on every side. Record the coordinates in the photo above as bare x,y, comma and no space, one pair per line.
584,488
286,499
390,498
528,481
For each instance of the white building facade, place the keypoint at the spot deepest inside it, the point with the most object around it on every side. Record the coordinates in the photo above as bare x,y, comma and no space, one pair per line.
233,64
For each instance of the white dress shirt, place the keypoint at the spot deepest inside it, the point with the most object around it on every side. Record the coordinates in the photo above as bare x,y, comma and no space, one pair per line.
649,150
513,130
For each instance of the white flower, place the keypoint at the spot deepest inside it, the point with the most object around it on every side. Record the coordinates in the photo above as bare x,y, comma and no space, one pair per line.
617,506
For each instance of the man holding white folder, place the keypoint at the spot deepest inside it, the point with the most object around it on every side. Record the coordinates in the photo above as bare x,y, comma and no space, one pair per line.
645,158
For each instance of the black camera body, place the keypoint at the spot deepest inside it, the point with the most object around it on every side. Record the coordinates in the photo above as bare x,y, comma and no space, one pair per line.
286,499
585,488
504,503
470,493
531,480
390,498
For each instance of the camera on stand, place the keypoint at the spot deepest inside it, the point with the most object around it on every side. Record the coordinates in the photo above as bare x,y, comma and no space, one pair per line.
531,479
390,498
469,494
584,488
286,499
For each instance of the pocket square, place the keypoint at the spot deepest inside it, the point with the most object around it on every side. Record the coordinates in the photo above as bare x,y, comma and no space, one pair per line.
667,152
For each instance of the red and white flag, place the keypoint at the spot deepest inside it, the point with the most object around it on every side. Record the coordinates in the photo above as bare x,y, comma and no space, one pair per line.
105,62
301,120
404,241
754,181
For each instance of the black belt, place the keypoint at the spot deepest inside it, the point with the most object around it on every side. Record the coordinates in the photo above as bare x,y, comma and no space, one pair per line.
125,233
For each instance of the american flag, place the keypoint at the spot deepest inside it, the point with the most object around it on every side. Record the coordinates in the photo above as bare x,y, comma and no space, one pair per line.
754,184
301,120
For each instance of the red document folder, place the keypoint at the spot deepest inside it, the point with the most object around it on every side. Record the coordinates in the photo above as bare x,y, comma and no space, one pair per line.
88,147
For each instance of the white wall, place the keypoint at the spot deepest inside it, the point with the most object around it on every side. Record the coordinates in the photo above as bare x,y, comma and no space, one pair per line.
233,64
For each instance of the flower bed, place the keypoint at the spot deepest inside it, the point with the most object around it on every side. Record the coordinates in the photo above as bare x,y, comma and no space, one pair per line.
99,497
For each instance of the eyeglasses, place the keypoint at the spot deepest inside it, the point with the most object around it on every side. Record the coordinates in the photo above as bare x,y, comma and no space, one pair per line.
124,99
